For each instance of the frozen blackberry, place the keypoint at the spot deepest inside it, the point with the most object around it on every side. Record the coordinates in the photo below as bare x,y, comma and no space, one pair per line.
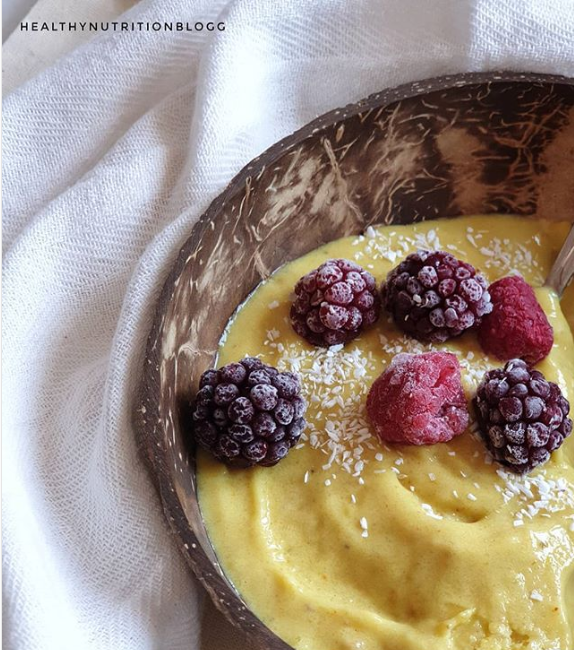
248,413
433,296
522,416
334,303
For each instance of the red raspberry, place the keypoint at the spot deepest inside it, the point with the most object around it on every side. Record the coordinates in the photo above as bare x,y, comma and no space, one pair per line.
419,400
334,303
517,327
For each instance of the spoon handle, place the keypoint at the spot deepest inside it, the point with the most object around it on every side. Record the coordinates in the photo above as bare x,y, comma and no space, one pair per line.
563,267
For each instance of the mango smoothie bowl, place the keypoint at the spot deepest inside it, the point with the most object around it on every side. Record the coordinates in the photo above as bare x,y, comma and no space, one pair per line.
356,394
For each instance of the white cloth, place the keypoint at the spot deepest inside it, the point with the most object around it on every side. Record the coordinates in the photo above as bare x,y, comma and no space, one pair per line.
26,53
110,156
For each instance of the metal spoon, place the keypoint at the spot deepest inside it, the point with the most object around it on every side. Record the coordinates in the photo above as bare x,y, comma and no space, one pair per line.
563,267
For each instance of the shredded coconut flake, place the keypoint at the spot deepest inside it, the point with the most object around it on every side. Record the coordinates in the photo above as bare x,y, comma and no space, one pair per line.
430,512
334,380
511,257
364,527
536,495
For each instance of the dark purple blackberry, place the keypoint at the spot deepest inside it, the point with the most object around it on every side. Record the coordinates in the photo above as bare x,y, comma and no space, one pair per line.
248,413
433,296
334,303
522,417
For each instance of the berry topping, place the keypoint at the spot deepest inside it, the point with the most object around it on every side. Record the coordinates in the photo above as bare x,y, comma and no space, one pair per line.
517,326
433,296
522,417
248,413
334,303
419,400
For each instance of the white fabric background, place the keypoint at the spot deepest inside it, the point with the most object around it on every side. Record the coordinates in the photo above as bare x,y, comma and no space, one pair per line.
26,53
110,156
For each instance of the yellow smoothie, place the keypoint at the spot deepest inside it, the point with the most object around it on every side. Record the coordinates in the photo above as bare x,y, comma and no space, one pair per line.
351,544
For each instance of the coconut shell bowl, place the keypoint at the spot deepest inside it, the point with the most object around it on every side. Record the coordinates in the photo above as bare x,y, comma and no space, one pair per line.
464,144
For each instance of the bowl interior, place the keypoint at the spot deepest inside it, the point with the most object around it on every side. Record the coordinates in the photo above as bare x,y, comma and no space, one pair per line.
467,144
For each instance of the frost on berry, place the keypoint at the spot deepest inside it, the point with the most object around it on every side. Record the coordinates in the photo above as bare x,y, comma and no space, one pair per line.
522,417
334,303
433,296
419,400
248,413
517,327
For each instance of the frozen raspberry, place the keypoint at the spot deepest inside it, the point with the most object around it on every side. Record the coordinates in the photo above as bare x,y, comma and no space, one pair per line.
248,413
334,303
517,326
419,400
433,296
522,416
